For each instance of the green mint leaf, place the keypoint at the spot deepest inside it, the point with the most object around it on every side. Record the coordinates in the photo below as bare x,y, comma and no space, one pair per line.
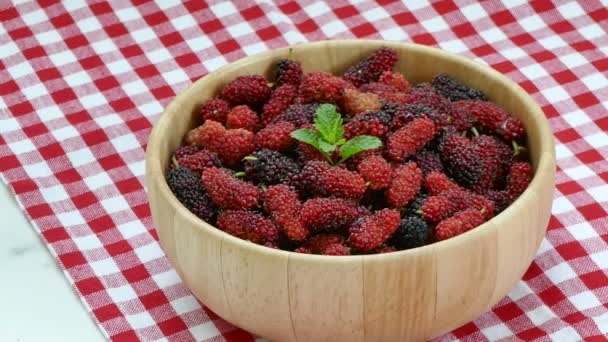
307,136
329,123
343,141
358,144
325,147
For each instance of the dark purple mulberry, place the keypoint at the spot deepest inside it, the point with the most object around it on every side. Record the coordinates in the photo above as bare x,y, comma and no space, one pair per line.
370,69
270,167
453,90
187,187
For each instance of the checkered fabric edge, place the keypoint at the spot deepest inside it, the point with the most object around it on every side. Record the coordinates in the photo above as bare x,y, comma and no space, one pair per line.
81,84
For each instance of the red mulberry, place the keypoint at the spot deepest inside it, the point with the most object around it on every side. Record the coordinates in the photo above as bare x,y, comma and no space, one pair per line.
288,72
215,109
395,80
437,182
209,135
228,192
325,244
410,138
237,143
200,161
276,136
248,225
404,186
243,117
370,69
322,87
458,224
284,206
371,231
376,171
250,90
326,214
280,99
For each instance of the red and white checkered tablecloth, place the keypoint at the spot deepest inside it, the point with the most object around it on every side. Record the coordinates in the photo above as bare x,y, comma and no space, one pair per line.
82,82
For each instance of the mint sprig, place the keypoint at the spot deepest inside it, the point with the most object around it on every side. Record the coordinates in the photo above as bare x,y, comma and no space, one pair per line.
329,123
329,135
359,144
307,136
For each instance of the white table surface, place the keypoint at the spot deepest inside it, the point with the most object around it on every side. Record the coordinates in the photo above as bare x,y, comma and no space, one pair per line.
37,302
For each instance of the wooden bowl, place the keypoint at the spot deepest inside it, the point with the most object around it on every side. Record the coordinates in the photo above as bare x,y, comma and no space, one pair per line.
410,295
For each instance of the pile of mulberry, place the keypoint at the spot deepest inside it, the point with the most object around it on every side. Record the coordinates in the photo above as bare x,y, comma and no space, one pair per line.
357,163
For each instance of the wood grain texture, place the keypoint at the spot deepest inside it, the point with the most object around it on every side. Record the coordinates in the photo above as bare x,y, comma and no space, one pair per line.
337,311
253,279
400,296
410,295
198,260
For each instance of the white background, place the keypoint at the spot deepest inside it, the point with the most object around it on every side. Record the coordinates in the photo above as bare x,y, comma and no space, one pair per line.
36,301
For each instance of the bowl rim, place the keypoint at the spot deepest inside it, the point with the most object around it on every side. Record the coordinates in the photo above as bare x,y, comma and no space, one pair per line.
546,161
